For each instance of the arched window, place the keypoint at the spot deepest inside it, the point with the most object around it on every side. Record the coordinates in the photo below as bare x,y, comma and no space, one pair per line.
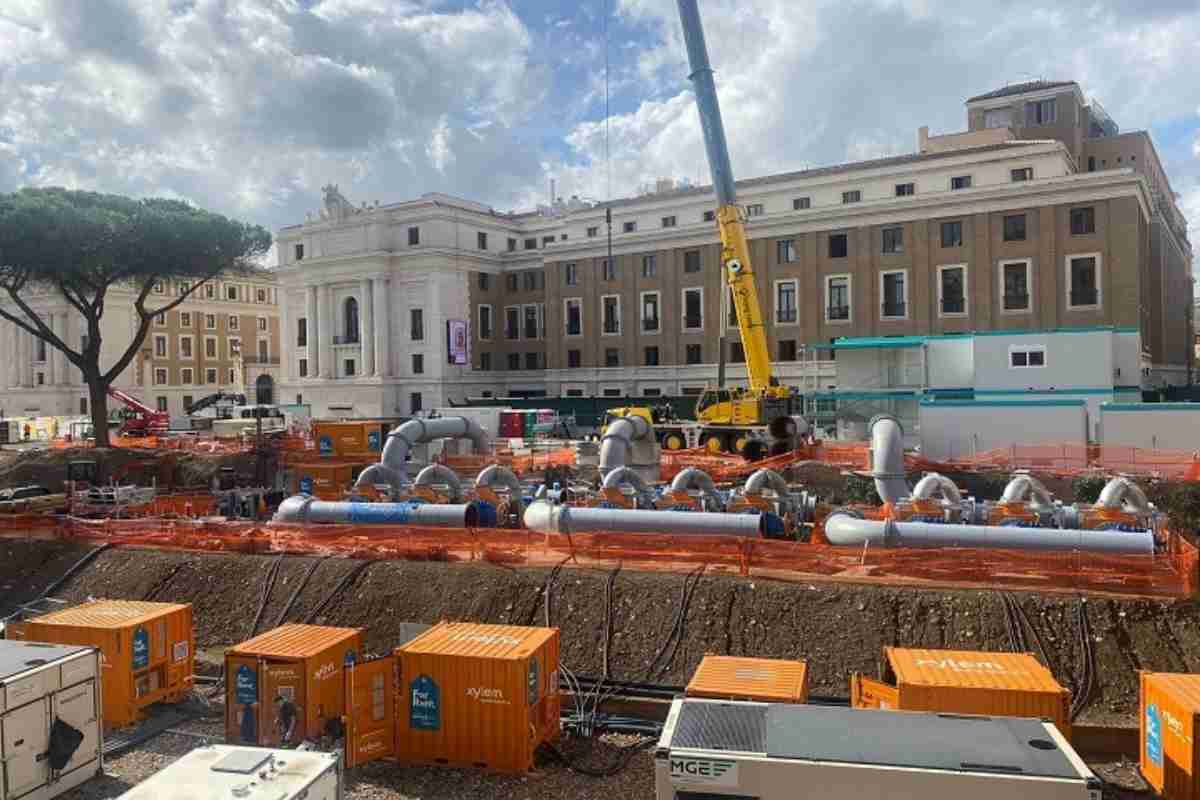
351,317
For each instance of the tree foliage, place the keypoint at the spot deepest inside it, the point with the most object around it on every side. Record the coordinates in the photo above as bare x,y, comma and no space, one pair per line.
81,245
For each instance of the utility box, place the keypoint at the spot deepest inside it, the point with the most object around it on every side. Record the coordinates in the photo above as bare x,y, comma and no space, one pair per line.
324,481
51,733
768,680
245,773
361,438
147,650
711,749
301,665
1170,722
481,696
965,682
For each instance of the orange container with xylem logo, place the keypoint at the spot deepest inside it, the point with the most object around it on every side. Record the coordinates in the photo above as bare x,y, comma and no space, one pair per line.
1170,722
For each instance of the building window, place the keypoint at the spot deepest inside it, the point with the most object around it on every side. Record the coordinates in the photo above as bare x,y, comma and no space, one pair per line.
299,252
485,362
41,378
737,353
160,320
906,189
694,354
161,403
485,323
235,322
1083,221
574,392
40,354
261,294
414,237
801,203
893,240
852,196
185,287
231,293
531,361
838,245
787,349
481,240
262,323
785,251
997,118
837,298
210,347
210,376
1015,277
894,290
160,376
952,234
1083,274
649,266
547,240
418,364
629,227
511,282
185,377
1022,174
531,327
414,402
350,321
210,291
535,280
304,368
710,216
574,316
691,261
960,182
1026,356
512,245
210,322
235,347
952,290
608,269
1014,228
514,362
668,222
264,351
348,365
530,243
416,324
185,319
160,347
1091,164
571,274
651,357
512,323
185,347
485,281
612,357
650,317
755,210
785,302
574,359
611,314
1041,112
593,232
693,309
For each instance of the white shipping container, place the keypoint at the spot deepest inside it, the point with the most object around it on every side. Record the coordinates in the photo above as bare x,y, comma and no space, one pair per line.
1151,426
51,728
953,429
222,771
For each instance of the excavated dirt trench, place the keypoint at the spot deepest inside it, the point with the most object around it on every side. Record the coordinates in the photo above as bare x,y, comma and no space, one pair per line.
837,628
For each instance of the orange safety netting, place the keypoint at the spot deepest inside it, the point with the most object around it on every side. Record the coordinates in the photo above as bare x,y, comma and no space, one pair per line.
725,467
1174,572
1072,459
191,444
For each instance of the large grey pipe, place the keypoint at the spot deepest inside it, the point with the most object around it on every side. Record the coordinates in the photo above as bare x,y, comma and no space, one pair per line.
1121,493
766,478
546,518
618,441
849,531
706,102
392,469
304,509
887,458
1027,486
694,480
435,474
936,484
498,475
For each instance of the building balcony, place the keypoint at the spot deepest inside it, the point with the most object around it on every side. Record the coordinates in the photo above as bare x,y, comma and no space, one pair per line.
346,339
836,313
785,315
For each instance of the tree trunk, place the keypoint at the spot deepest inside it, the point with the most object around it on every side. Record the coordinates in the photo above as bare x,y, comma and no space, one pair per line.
98,405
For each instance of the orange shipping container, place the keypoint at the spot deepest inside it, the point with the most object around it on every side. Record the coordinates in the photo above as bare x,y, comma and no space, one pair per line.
299,664
147,650
482,696
1170,720
362,438
766,680
966,682
324,481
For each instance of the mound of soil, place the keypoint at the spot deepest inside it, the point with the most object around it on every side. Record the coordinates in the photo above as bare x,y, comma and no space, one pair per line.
124,465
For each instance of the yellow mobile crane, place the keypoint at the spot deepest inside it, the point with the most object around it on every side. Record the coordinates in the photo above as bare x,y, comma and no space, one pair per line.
734,419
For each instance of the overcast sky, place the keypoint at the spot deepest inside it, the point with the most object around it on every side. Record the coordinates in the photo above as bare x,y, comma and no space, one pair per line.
250,106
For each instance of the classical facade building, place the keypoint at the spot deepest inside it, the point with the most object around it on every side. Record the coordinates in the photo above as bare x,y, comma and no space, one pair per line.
188,354
1040,217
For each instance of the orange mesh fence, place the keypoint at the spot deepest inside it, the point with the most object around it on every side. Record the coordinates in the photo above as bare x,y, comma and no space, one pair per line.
182,443
1073,459
727,467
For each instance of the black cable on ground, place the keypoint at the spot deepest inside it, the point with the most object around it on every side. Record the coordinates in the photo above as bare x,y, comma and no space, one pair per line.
73,571
1087,683
162,584
625,755
300,588
265,596
548,590
342,585
609,592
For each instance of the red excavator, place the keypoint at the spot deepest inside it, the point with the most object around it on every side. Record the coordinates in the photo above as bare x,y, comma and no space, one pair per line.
139,418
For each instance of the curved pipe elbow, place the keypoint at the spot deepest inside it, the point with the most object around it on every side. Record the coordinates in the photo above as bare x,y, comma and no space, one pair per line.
381,475
1027,487
763,479
625,476
419,431
293,509
887,458
618,441
499,475
1121,492
435,474
693,479
937,484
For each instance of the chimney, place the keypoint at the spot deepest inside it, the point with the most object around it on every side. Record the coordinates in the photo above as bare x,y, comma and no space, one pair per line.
923,139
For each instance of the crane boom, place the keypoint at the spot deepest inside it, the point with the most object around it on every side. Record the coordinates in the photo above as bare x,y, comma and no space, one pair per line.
736,268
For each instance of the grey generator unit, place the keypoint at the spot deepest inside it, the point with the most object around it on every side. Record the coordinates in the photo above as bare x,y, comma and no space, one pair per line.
227,772
716,750
51,728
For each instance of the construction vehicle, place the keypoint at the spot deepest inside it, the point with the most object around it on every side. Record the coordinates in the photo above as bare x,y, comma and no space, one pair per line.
744,420
230,398
139,418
